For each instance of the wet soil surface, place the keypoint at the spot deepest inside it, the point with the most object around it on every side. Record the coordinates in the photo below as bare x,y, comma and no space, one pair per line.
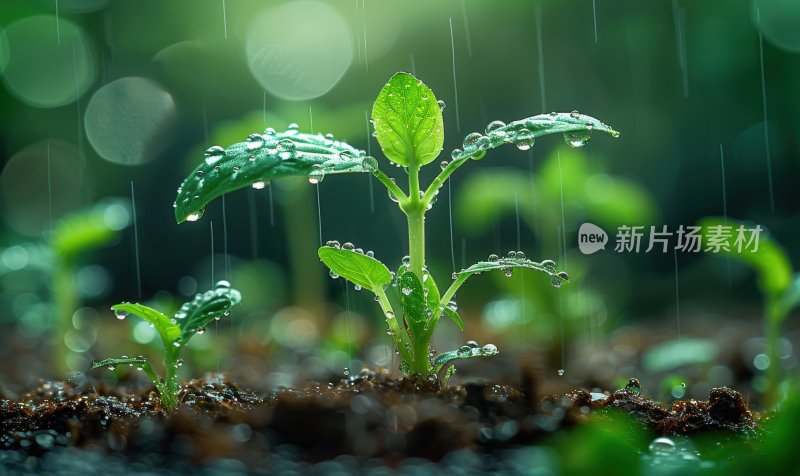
368,417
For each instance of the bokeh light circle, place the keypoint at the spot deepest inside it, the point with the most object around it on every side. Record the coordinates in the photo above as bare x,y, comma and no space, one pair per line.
778,20
50,63
300,50
24,186
128,120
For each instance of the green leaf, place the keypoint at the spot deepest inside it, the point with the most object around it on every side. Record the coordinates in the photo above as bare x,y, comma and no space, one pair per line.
168,330
453,314
464,352
770,263
357,268
90,228
431,293
408,121
412,295
678,353
577,129
206,307
140,363
791,298
508,264
261,158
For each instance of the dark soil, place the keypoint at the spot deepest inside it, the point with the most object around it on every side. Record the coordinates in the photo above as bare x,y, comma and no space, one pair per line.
368,416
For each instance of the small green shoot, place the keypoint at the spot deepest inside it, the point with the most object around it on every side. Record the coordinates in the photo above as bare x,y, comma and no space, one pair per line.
779,285
408,124
192,318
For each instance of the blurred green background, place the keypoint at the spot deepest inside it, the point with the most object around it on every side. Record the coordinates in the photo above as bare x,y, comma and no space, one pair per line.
101,98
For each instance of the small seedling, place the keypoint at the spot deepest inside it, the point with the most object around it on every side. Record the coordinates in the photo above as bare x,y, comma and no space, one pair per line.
408,124
779,285
192,318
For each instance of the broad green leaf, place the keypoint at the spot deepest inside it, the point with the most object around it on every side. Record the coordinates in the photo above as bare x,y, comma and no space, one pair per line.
577,129
408,121
507,265
168,330
140,363
412,295
205,308
261,158
90,228
453,314
357,268
770,263
464,352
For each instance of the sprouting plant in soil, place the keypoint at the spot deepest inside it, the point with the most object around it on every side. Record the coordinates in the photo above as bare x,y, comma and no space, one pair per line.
778,284
408,124
59,255
192,318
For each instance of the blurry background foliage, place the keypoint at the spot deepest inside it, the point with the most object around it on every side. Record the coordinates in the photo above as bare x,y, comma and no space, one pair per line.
98,95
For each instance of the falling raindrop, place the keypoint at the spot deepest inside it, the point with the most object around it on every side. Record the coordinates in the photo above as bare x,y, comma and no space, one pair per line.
561,372
455,82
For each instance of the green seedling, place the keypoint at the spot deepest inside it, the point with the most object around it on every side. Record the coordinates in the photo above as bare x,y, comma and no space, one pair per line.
192,318
778,283
408,124
71,239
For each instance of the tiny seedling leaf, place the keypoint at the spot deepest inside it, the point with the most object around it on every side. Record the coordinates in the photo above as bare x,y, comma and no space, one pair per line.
408,121
168,330
464,352
261,158
206,307
89,228
140,363
453,314
508,264
577,129
357,268
770,263
412,295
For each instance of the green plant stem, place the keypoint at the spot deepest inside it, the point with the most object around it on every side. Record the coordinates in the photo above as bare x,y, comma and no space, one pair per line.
421,363
390,185
414,209
169,393
774,318
65,297
437,183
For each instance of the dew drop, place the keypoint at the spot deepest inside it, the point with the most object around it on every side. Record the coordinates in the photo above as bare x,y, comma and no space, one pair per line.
389,315
259,185
444,164
563,275
472,139
120,314
269,131
178,363
254,141
348,246
333,275
346,371
441,104
577,139
196,215
574,114
494,125
662,445
292,129
213,154
464,351
223,284
556,282
561,372
633,387
489,349
493,258
472,344
455,154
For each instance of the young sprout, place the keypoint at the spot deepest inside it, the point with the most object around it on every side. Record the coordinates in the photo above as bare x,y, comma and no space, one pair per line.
409,127
779,285
192,318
